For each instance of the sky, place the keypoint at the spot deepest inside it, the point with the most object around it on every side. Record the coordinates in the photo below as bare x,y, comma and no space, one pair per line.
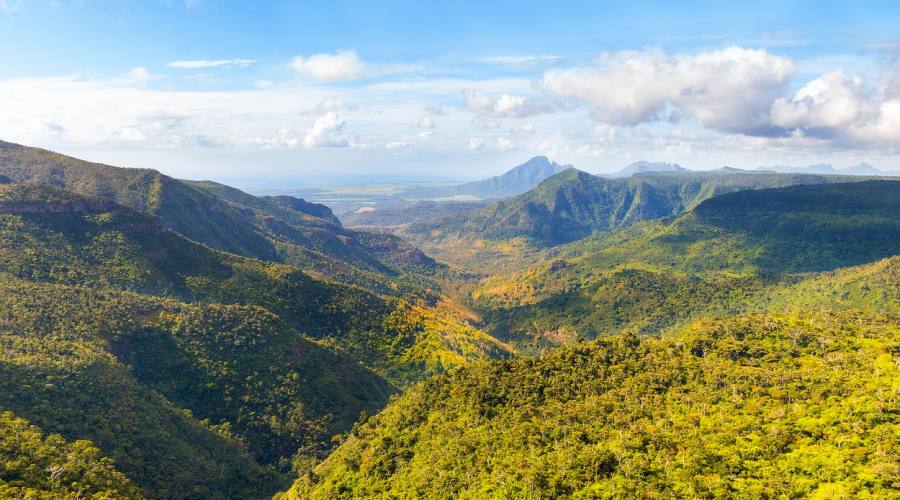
293,94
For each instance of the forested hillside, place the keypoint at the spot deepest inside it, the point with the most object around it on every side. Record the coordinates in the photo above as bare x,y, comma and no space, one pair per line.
49,467
574,204
667,334
723,257
277,229
197,372
762,406
54,236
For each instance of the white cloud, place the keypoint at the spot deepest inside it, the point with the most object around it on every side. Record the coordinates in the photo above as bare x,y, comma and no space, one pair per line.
426,122
729,90
525,129
505,106
505,144
206,63
476,144
396,145
326,132
840,107
342,65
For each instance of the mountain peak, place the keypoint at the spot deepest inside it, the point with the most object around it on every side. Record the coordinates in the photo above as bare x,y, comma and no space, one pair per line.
641,167
537,168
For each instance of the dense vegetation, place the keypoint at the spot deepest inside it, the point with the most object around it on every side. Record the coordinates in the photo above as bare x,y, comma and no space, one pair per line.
763,406
47,467
219,398
121,369
281,229
724,257
172,339
573,204
107,246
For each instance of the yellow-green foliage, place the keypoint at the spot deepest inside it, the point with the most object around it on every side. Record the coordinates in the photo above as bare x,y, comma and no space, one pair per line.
733,253
101,249
187,399
36,466
799,405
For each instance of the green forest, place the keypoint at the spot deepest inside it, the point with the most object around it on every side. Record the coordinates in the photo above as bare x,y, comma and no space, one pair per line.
672,334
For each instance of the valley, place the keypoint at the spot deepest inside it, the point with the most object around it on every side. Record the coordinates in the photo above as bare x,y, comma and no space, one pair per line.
661,332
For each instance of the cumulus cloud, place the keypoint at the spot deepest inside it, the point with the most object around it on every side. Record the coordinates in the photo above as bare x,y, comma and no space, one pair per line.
326,132
340,66
505,106
396,145
476,144
505,144
206,63
729,90
840,107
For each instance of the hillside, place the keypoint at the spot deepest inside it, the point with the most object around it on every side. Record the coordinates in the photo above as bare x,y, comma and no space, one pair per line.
388,216
94,242
573,204
761,406
60,369
281,229
726,255
47,466
194,214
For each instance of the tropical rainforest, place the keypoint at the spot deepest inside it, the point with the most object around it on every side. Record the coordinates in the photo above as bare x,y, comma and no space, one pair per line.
713,334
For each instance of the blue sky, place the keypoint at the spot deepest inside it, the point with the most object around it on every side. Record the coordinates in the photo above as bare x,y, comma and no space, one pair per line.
270,93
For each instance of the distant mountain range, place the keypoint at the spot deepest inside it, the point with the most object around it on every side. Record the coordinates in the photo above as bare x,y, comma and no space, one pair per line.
515,181
640,167
573,204
827,168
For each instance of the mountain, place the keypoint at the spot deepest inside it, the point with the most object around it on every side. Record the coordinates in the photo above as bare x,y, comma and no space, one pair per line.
270,361
192,213
574,204
282,229
54,236
515,181
726,256
827,169
389,216
767,405
642,167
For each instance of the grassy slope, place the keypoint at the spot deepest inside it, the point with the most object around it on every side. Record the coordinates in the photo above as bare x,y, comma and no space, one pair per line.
761,406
